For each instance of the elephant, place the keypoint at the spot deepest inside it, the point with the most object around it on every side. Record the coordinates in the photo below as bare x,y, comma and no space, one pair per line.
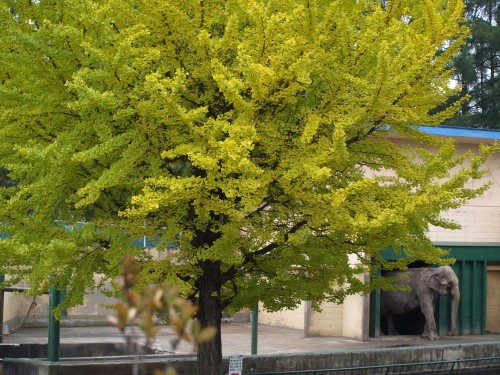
426,285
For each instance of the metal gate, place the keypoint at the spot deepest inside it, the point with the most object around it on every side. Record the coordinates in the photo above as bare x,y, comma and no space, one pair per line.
471,319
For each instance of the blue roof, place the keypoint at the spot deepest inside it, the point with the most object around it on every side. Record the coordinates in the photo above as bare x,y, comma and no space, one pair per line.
451,131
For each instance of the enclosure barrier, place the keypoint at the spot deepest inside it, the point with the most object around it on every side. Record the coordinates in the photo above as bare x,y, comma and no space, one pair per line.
2,292
54,324
490,365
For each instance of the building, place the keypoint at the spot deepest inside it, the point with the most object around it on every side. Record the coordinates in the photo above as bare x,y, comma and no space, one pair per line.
477,250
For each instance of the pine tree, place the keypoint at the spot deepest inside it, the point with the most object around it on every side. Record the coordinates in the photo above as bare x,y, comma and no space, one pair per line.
478,67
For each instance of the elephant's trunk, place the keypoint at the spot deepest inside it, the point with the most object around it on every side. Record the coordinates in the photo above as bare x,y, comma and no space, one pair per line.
455,300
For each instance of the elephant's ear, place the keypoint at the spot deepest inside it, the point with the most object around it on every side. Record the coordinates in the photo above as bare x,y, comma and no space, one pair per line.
433,282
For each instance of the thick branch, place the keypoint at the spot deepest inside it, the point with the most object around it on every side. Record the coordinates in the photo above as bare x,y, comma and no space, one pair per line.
360,136
251,257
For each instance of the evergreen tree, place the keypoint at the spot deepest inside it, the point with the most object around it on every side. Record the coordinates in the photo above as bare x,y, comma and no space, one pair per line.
478,67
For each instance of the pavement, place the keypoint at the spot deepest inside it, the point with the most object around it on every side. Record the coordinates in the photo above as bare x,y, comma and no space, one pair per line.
237,337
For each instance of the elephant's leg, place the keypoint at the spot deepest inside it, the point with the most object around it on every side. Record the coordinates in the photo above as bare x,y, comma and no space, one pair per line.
380,332
426,330
391,327
430,331
426,326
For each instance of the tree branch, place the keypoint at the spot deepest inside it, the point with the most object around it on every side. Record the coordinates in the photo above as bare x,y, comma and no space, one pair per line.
250,257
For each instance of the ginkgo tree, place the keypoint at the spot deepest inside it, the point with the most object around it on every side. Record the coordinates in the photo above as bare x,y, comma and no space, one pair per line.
255,135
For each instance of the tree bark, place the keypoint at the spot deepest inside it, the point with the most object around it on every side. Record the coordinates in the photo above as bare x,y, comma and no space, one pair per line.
210,314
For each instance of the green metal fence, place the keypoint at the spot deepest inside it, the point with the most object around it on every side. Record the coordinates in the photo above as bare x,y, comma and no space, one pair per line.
482,366
471,268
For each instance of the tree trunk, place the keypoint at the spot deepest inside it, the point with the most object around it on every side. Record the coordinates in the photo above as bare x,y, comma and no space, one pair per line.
210,314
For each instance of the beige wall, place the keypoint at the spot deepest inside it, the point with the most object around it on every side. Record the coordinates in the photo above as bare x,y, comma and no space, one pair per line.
94,310
14,306
17,306
284,318
480,217
350,319
356,317
327,322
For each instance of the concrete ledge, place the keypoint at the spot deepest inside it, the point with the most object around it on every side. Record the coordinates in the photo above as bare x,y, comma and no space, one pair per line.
66,321
186,365
72,350
372,357
98,366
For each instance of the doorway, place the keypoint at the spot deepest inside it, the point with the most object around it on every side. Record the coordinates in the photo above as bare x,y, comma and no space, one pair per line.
478,271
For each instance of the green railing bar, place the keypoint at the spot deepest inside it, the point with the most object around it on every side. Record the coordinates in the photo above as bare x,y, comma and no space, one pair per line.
2,279
54,325
255,330
484,297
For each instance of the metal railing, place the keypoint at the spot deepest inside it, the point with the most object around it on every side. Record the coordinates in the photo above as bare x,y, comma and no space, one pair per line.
490,365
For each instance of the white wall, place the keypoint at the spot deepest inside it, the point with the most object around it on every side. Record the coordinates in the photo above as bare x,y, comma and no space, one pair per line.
94,310
356,322
284,318
328,322
480,217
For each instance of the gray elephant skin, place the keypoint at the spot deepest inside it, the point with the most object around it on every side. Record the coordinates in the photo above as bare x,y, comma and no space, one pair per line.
426,284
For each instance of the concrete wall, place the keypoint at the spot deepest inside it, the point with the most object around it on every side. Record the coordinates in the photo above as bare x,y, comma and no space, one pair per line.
480,217
284,318
279,363
15,305
327,322
94,311
356,320
381,357
350,319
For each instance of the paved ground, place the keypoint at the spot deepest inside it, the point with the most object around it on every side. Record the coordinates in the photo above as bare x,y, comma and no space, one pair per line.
236,339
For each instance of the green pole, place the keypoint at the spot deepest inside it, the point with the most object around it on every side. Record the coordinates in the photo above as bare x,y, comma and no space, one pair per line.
54,325
2,279
375,313
255,324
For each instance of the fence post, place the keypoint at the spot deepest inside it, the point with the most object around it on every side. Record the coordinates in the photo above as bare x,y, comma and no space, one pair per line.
54,325
255,329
